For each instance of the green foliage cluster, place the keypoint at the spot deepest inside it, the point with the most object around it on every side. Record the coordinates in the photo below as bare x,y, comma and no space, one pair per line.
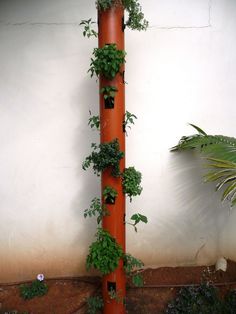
220,152
131,179
88,31
107,61
136,18
137,218
109,93
130,265
104,4
203,299
36,289
116,295
109,194
95,304
104,253
230,302
96,209
105,155
94,122
128,119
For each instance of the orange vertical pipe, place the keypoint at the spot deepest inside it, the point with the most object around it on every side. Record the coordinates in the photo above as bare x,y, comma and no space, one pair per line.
110,31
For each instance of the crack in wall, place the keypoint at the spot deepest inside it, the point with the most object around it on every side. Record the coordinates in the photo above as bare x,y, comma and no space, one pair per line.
75,24
208,25
39,24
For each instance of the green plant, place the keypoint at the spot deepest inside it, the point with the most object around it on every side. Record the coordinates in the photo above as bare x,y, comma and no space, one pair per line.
128,119
104,253
94,122
96,209
220,152
88,31
109,194
109,95
95,304
230,302
117,296
107,61
137,218
36,289
131,179
130,265
104,4
108,91
105,155
203,299
135,15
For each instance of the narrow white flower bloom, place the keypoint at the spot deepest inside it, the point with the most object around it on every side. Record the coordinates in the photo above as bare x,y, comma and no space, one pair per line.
40,277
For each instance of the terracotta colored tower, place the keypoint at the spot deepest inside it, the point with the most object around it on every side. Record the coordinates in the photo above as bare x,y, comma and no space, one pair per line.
111,31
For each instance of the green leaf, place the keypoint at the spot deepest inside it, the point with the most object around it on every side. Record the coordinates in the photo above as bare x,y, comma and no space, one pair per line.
137,280
231,189
200,131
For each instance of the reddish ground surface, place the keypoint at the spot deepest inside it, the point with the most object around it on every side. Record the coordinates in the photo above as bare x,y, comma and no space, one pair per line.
68,296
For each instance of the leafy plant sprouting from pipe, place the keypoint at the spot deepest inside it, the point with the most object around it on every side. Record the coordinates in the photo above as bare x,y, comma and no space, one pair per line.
105,253
128,119
105,155
107,61
130,265
96,209
88,31
131,179
94,122
220,154
136,18
109,195
109,93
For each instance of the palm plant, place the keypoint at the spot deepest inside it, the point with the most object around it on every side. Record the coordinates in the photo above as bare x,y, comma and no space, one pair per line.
220,153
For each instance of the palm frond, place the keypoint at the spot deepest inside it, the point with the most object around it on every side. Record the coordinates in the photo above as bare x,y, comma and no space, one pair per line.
216,146
220,152
224,172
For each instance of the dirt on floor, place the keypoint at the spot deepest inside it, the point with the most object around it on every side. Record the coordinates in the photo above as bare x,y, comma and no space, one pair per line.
68,296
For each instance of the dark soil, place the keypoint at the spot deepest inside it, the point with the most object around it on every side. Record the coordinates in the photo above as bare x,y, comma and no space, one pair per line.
68,296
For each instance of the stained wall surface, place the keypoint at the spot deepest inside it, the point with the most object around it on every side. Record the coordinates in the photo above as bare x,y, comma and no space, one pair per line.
181,70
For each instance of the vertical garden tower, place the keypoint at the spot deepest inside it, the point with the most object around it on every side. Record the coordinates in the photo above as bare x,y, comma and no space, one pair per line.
108,253
112,111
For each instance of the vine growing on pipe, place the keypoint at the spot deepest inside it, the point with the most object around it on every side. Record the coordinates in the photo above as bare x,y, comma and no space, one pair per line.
136,18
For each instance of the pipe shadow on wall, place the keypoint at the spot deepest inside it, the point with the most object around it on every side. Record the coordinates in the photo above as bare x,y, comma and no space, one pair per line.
88,183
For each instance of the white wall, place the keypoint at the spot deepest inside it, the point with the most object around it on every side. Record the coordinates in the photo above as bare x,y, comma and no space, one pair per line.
181,70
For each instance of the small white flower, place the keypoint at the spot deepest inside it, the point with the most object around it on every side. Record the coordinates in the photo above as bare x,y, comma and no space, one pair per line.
40,277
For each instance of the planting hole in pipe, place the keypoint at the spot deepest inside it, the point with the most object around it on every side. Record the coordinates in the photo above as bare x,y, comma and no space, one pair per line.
111,286
109,103
110,201
109,194
109,93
